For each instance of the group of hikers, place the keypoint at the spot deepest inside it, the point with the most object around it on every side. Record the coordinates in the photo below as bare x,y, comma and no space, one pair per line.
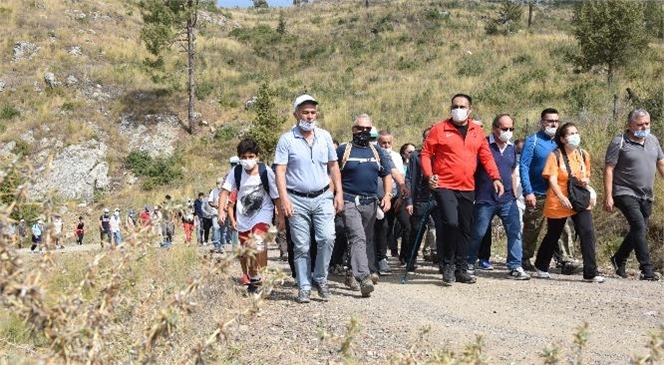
339,208
337,202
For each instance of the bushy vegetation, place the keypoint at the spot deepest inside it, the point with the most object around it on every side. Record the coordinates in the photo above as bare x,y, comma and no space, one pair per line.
157,171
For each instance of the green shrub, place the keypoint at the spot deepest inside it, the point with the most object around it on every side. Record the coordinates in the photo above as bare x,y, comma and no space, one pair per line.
471,65
204,89
9,112
155,171
22,148
225,133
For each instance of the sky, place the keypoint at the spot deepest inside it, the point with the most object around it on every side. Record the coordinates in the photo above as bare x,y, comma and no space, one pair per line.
248,3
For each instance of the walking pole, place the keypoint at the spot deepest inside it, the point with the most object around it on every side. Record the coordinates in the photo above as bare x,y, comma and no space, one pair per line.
425,217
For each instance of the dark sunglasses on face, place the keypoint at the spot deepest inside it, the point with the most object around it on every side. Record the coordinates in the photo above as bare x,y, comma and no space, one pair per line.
506,129
362,129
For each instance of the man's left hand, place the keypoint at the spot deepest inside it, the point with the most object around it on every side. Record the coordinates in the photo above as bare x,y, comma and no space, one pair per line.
338,202
386,203
498,187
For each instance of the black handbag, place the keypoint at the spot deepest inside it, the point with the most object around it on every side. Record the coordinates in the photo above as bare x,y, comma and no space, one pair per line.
578,195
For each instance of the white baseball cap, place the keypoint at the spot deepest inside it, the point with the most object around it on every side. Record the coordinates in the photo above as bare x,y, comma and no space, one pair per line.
303,99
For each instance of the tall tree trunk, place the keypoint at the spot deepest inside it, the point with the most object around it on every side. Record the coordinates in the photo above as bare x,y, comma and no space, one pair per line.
191,55
530,13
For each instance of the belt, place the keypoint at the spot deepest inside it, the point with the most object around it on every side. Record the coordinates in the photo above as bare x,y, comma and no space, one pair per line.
312,194
360,199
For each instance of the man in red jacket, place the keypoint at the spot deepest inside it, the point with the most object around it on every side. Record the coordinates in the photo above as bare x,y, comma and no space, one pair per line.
449,159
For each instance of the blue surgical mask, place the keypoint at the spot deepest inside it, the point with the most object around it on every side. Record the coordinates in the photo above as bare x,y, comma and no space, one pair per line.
642,133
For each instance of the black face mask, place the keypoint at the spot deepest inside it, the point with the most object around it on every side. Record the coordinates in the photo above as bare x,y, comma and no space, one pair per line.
362,138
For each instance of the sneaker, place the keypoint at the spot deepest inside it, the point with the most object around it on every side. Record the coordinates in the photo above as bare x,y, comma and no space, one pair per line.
351,282
323,290
650,277
303,296
571,267
542,274
595,279
448,275
618,268
366,286
527,265
383,268
485,265
462,276
245,280
374,278
518,274
471,269
253,289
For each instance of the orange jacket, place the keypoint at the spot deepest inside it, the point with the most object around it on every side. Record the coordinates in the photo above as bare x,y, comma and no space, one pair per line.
454,160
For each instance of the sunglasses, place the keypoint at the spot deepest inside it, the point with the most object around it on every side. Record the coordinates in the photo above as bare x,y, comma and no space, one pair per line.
363,129
507,129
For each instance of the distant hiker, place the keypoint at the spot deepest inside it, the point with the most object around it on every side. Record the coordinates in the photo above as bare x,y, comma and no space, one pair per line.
130,220
305,161
37,234
217,227
629,178
57,231
80,230
22,232
168,221
188,215
204,218
254,210
115,223
145,217
105,227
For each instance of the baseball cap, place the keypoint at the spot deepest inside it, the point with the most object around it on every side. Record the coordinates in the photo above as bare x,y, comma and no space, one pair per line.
374,132
303,99
234,160
105,210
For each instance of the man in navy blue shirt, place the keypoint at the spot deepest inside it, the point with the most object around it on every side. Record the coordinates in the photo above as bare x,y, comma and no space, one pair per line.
361,165
489,204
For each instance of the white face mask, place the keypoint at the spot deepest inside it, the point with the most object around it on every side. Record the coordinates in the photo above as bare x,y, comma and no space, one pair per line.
248,164
388,149
306,125
573,141
459,115
550,131
505,136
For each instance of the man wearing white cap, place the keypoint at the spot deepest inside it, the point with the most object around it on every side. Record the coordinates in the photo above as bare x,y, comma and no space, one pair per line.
305,161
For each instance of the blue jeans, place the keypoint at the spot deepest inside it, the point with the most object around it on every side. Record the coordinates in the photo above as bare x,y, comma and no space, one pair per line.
117,237
509,215
319,213
216,232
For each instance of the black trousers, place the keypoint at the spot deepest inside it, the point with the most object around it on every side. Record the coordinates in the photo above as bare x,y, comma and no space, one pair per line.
456,210
584,227
206,223
637,212
340,243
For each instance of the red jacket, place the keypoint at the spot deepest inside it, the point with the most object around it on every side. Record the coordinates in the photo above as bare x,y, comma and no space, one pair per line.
454,160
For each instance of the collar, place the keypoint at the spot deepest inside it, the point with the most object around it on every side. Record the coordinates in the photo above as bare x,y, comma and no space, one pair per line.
448,125
298,134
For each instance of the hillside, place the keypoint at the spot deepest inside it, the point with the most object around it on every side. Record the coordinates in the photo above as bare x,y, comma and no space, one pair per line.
75,86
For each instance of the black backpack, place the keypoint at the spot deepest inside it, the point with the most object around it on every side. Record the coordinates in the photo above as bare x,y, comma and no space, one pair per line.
262,172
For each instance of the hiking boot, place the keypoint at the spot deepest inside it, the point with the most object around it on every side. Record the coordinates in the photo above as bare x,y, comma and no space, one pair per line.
571,267
618,268
448,275
366,286
649,276
383,268
351,282
253,289
518,274
527,265
542,274
595,279
303,296
323,290
374,278
471,269
485,265
462,276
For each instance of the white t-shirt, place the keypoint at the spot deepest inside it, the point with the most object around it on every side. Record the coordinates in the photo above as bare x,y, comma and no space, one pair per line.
253,205
57,225
115,223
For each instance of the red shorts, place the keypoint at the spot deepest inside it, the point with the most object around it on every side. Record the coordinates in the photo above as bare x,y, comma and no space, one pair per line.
258,229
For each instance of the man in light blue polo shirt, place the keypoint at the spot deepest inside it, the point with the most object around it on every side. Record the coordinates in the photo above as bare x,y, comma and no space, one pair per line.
305,161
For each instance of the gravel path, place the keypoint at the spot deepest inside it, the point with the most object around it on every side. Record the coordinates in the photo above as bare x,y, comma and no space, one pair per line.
517,319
